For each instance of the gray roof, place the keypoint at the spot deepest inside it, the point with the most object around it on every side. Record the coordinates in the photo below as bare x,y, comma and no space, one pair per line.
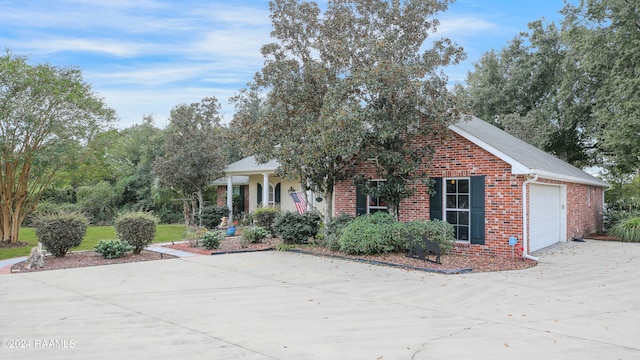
523,157
249,165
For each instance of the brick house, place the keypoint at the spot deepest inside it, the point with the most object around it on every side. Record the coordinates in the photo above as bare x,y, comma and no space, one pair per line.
492,186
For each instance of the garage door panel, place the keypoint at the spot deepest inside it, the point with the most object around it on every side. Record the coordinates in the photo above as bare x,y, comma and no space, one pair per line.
545,211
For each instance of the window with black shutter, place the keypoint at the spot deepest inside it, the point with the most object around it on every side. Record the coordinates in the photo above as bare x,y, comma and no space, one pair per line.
460,202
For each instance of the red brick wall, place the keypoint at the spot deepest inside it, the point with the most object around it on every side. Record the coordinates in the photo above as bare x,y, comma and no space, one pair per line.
222,196
458,157
584,210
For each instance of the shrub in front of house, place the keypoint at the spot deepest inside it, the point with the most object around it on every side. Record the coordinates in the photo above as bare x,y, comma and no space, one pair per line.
112,249
618,211
211,239
60,231
334,229
211,215
265,217
294,228
372,234
437,231
254,234
627,230
137,228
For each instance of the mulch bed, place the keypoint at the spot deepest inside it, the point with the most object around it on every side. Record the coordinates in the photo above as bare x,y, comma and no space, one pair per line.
603,237
450,263
88,258
230,244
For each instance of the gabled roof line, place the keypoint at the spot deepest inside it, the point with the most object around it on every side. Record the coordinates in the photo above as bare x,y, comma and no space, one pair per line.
517,168
498,141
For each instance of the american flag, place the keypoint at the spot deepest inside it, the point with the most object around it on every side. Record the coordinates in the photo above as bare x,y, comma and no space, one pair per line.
298,198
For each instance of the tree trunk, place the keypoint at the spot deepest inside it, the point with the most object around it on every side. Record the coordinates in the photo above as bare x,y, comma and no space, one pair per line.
395,211
15,225
200,206
328,196
193,209
186,213
11,220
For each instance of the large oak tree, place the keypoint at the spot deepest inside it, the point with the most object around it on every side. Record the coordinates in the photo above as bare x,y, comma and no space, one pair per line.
353,83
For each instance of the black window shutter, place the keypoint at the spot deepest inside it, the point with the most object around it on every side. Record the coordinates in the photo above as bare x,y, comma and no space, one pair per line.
361,202
435,200
477,210
276,194
260,195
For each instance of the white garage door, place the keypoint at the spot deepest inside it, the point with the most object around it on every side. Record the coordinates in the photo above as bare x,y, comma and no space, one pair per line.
545,216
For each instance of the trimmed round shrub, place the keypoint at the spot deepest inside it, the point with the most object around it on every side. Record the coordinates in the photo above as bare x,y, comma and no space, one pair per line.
136,228
372,234
112,249
47,207
265,217
211,215
294,228
437,231
334,229
211,239
627,230
58,232
254,234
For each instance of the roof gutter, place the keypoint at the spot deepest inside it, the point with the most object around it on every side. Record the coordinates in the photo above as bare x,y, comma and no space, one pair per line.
525,225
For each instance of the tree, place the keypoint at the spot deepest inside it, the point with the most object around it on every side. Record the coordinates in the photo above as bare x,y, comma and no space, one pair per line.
45,112
132,155
344,84
193,156
575,86
606,38
307,112
399,84
529,89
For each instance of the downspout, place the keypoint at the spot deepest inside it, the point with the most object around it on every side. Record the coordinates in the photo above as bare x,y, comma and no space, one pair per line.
525,226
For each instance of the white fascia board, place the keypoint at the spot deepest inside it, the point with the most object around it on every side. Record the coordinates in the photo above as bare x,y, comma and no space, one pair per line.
248,172
517,168
566,178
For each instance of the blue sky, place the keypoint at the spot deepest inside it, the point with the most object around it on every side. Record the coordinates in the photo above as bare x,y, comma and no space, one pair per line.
147,56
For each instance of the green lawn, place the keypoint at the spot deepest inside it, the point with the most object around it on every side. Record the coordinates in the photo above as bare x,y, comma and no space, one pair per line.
164,233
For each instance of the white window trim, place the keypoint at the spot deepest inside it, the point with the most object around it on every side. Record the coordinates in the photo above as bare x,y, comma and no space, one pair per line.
446,209
379,208
272,194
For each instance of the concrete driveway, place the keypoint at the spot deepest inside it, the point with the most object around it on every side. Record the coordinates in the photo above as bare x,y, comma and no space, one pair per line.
582,301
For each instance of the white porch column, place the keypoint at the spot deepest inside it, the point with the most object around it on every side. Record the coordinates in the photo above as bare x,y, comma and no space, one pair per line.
230,197
265,190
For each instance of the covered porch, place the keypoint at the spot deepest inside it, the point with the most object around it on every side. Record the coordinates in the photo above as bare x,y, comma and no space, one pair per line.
266,188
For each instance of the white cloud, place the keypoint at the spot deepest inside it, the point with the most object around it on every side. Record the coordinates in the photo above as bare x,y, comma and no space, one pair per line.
466,25
133,104
106,46
231,44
